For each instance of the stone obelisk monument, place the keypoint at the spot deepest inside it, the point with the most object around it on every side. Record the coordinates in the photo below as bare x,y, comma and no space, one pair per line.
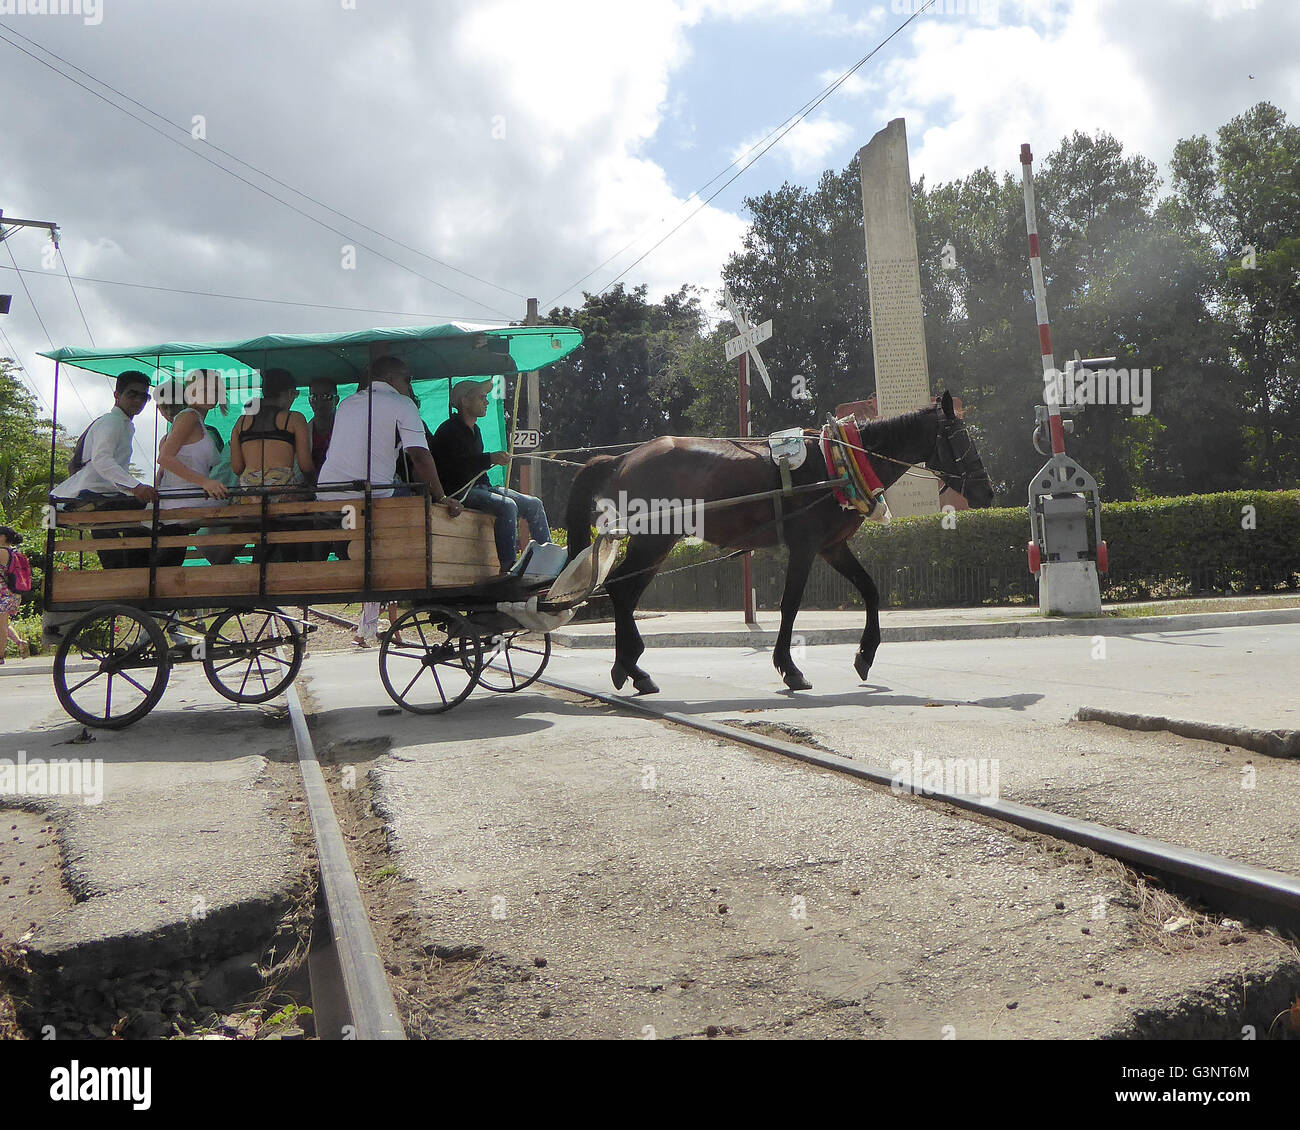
894,283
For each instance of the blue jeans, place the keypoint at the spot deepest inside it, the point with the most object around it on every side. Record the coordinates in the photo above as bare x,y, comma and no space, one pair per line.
509,506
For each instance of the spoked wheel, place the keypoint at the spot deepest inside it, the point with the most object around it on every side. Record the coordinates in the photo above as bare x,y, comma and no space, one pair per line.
437,663
252,656
514,660
131,661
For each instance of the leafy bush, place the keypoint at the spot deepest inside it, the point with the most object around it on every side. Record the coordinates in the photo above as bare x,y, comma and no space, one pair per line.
1240,541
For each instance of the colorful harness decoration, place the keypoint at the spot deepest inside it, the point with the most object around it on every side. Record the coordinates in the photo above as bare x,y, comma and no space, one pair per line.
845,458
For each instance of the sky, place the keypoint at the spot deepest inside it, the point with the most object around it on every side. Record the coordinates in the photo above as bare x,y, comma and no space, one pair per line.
489,151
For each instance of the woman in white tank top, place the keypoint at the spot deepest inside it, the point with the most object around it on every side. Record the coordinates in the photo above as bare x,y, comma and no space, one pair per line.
186,459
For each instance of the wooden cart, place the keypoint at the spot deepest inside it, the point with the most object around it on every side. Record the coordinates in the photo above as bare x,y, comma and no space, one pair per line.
467,625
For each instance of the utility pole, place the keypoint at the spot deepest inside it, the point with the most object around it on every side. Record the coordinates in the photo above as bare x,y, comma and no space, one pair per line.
8,227
530,471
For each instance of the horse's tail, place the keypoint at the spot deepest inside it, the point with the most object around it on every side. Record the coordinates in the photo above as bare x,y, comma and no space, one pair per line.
589,479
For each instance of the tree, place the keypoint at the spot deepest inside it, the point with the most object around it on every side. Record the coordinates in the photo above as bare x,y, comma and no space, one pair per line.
1241,195
25,453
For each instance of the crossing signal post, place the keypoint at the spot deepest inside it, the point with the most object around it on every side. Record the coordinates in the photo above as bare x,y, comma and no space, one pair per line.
1060,552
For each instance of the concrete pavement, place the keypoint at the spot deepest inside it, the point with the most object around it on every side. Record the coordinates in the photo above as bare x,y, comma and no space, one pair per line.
614,877
1012,701
187,849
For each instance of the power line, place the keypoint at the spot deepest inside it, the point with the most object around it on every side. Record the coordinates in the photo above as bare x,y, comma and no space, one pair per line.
273,301
779,131
251,184
75,299
263,172
37,312
9,345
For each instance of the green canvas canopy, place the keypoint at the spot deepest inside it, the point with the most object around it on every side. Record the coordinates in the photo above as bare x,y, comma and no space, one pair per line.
436,355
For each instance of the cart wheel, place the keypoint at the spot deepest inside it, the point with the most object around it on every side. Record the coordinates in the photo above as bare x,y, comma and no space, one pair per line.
1103,558
1035,557
514,661
437,663
243,657
131,667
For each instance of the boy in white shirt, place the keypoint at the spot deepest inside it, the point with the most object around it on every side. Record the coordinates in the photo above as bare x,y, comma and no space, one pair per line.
104,480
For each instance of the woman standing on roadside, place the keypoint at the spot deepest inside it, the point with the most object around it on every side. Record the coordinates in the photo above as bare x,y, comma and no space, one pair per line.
10,601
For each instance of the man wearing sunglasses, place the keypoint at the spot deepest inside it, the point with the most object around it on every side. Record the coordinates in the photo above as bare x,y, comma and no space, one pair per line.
101,478
324,400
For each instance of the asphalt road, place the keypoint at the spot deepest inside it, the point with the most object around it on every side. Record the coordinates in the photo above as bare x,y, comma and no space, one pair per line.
1009,703
672,883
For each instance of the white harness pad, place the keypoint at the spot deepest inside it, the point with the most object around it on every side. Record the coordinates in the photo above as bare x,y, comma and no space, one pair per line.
789,445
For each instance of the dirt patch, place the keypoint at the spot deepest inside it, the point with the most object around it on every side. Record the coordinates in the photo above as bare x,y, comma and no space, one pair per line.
785,732
426,978
33,892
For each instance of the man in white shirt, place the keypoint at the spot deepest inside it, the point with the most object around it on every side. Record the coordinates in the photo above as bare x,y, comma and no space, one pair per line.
104,481
394,425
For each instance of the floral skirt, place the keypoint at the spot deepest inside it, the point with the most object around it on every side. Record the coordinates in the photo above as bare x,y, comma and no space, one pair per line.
270,477
10,602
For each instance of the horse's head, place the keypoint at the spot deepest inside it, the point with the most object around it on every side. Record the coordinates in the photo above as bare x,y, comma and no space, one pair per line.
955,459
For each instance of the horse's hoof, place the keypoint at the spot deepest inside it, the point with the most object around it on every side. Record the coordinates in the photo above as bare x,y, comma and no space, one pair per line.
796,682
618,673
645,685
862,665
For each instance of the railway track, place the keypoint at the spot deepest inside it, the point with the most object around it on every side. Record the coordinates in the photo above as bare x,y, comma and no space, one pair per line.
350,991
1265,897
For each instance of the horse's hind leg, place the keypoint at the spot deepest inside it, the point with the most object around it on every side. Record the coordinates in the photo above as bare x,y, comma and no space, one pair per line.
796,579
840,558
626,584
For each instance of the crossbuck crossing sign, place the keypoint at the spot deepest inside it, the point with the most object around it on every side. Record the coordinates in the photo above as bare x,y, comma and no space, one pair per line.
748,338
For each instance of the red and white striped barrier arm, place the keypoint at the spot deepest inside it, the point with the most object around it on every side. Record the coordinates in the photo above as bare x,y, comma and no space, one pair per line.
1051,378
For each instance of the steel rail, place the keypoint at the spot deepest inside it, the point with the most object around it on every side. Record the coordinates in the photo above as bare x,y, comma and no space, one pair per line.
1264,896
367,1002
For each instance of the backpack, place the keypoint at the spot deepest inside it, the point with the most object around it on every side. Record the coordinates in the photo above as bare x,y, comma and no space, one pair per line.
18,573
78,460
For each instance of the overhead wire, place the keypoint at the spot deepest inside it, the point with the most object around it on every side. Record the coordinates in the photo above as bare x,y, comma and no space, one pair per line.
37,312
13,353
281,301
251,184
77,300
768,141
262,172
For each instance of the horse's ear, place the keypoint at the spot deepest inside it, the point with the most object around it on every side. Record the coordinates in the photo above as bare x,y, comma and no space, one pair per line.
947,405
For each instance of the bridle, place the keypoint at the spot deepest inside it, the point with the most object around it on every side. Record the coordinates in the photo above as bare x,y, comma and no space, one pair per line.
967,463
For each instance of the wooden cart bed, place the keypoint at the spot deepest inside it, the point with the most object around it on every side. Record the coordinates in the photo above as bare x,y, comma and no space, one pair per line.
457,553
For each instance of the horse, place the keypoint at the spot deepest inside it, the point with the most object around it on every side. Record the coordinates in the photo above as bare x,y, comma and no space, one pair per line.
810,523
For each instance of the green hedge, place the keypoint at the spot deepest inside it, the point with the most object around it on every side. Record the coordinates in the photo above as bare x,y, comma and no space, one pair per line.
1161,547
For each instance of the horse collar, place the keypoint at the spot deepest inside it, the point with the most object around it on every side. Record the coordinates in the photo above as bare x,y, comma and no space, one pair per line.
846,459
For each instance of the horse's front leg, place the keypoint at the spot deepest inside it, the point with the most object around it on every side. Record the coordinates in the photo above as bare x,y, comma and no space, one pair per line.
840,558
796,579
625,587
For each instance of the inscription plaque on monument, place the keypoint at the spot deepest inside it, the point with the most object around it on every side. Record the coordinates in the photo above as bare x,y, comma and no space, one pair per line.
894,286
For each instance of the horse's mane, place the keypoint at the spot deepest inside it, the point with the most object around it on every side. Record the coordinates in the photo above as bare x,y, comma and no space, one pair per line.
888,434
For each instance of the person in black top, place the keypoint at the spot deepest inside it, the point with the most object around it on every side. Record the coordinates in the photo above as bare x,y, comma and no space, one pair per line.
458,452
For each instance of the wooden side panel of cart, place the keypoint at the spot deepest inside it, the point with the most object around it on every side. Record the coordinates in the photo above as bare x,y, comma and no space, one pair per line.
459,553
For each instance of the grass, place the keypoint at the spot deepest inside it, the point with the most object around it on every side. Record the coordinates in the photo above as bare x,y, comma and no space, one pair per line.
1221,604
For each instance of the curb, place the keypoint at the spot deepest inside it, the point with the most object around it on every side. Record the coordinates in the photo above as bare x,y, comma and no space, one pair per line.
43,667
1272,743
992,630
